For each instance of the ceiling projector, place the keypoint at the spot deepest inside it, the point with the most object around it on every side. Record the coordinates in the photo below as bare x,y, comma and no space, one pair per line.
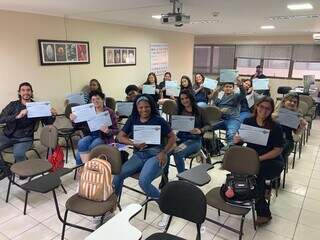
176,18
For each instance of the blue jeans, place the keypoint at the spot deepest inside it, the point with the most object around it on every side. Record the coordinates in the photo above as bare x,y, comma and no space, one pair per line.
147,164
86,144
19,149
232,125
244,115
182,151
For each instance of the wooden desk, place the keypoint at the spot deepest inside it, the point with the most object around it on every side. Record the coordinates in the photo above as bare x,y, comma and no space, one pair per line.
119,227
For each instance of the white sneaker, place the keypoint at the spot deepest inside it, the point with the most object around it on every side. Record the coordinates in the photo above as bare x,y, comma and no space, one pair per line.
164,221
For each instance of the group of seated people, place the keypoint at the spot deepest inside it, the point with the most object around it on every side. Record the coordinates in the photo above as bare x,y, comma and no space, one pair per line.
152,160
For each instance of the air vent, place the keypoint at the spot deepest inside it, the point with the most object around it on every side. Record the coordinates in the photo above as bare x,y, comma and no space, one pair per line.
295,17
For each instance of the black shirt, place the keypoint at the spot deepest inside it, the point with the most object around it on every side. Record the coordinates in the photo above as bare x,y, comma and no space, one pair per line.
263,92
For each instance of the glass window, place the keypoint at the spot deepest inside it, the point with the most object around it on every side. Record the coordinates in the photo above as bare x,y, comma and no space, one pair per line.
276,68
202,57
247,66
223,58
306,68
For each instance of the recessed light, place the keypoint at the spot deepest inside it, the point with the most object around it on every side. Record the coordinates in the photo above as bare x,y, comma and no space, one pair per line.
300,6
156,16
267,27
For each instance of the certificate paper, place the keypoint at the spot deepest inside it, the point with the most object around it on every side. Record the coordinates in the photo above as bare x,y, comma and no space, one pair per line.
182,123
124,108
288,118
149,89
172,89
210,83
38,109
228,75
84,112
77,98
254,135
101,119
260,84
148,134
250,100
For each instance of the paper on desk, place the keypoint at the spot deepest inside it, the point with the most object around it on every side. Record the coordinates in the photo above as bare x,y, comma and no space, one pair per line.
210,83
124,108
260,84
148,134
83,112
228,75
77,98
254,135
38,109
288,118
149,89
250,99
101,119
182,123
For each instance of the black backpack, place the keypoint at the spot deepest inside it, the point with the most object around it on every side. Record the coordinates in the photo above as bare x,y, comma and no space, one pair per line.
244,188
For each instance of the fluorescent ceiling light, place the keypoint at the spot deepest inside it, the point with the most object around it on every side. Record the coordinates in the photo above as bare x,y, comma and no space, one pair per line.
156,16
267,27
301,6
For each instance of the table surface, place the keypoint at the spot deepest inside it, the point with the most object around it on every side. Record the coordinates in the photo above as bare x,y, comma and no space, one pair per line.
119,227
197,175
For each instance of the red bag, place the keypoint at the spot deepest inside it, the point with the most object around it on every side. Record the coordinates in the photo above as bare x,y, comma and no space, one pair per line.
56,159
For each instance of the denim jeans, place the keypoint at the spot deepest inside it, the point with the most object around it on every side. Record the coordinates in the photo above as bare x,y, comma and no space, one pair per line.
86,144
182,151
244,115
232,125
19,149
147,164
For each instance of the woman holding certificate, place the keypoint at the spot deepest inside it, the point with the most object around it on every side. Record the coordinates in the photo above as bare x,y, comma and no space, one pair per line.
104,135
147,132
202,95
271,161
151,87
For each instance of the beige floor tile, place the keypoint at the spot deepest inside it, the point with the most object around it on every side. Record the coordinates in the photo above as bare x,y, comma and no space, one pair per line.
281,226
189,232
7,212
306,233
263,234
313,193
149,231
76,234
38,232
2,237
17,225
37,212
310,218
312,205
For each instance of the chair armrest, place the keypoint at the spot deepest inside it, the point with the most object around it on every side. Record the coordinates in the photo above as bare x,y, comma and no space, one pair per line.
197,175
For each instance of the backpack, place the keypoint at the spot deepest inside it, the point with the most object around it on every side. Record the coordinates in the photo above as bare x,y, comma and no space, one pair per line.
239,189
56,159
96,180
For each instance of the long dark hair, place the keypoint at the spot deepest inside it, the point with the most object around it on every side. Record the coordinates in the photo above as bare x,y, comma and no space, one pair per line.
97,82
27,85
155,79
195,109
269,123
189,83
147,98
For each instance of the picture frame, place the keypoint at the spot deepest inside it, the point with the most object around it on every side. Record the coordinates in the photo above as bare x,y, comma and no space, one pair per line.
59,52
119,56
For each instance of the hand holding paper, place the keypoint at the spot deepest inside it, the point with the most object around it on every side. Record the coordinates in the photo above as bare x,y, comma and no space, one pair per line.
182,123
260,84
38,109
210,83
148,134
83,112
77,98
99,121
149,89
254,135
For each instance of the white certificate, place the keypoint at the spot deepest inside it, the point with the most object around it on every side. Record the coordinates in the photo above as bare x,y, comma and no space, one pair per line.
148,134
260,84
182,123
250,100
173,91
170,84
124,108
83,112
254,135
228,75
77,98
38,109
101,119
210,83
149,89
288,118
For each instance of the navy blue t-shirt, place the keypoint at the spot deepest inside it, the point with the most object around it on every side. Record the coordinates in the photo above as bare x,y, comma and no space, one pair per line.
275,137
154,120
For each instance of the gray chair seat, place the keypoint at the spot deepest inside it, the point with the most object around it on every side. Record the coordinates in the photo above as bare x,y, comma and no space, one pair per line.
163,236
215,200
43,184
63,171
87,207
32,167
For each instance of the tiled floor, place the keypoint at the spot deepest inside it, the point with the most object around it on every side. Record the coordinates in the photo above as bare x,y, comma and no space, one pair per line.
296,211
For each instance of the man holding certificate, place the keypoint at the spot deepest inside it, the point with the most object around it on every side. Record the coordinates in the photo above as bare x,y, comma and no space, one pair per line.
271,161
100,129
259,75
18,131
146,131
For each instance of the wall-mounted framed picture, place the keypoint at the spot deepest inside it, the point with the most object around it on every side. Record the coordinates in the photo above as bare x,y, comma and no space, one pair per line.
119,56
54,52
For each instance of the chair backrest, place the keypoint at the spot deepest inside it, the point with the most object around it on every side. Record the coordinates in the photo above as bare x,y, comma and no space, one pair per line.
184,200
113,156
241,160
49,136
303,108
170,107
307,99
211,114
111,103
67,110
284,90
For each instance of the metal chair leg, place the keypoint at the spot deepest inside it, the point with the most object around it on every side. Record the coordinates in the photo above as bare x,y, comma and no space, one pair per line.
64,224
241,227
67,149
145,210
25,203
72,147
11,179
253,209
64,190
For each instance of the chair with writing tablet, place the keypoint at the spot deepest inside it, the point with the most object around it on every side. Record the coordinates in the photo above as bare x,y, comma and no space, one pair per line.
283,90
169,108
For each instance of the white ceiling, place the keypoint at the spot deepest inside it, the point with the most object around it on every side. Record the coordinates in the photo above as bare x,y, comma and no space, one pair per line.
236,17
